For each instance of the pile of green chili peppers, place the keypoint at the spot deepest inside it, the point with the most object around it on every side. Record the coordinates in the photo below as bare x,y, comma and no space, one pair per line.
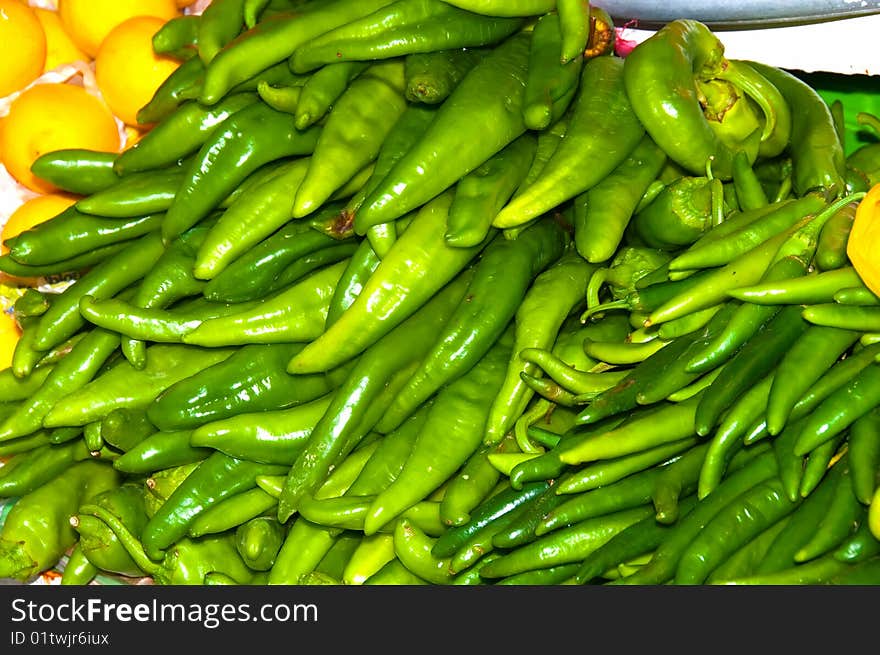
414,292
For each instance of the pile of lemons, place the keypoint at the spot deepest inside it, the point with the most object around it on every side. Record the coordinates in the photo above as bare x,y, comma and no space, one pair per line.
110,38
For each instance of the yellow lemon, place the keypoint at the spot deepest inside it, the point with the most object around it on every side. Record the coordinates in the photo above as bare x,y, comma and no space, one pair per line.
127,70
21,35
60,48
49,117
864,239
9,335
89,21
33,212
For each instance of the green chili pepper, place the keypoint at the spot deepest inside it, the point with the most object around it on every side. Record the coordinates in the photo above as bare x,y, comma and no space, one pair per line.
170,280
746,321
256,10
602,133
737,522
856,296
716,284
159,451
253,216
678,374
480,194
219,24
258,542
641,538
178,37
282,97
840,409
394,573
505,8
841,519
246,275
65,269
216,478
353,133
802,365
323,88
112,275
623,396
667,102
293,315
184,83
859,547
549,301
233,512
552,82
605,472
72,233
403,27
77,170
375,378
158,325
665,558
722,251
187,562
303,549
756,359
579,383
252,379
567,545
417,266
831,249
727,437
677,216
863,443
802,524
671,422
453,144
816,152
98,543
413,549
26,471
816,287
246,140
123,429
663,485
847,317
358,269
480,320
179,135
442,448
125,386
405,132
817,463
36,533
369,557
20,445
602,213
575,27
70,374
135,195
750,193
490,510
273,40
431,76
272,437
78,570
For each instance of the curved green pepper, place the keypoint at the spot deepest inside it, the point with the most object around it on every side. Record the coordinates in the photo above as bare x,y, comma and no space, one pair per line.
37,532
